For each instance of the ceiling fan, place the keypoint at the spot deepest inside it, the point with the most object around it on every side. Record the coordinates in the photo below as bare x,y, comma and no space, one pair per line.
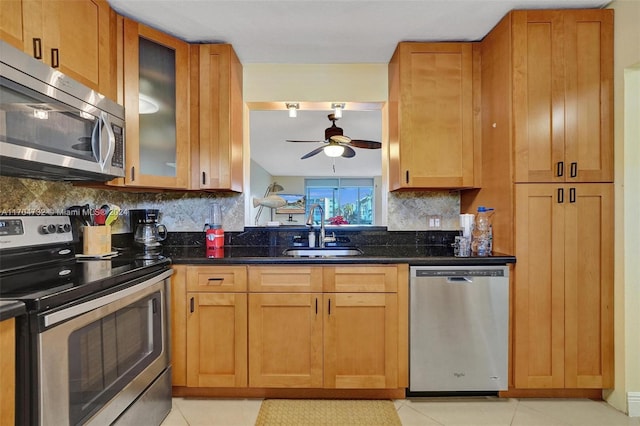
336,144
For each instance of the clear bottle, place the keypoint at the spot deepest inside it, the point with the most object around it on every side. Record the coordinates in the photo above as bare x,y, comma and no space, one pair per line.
482,241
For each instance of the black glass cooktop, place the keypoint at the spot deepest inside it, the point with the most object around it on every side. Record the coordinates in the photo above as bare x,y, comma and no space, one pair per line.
50,285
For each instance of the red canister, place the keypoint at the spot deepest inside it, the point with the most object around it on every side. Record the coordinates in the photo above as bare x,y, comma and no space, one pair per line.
214,238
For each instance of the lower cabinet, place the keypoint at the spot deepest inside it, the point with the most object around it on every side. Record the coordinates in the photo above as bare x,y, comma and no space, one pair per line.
285,340
287,327
7,371
360,340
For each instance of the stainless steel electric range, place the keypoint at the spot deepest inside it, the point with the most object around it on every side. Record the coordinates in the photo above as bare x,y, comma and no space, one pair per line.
93,347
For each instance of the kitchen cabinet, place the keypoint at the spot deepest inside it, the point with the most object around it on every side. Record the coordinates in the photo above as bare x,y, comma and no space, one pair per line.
7,371
561,308
563,95
216,327
431,116
303,330
564,287
76,37
216,117
156,100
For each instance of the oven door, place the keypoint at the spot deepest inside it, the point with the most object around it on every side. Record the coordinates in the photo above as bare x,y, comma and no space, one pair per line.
97,357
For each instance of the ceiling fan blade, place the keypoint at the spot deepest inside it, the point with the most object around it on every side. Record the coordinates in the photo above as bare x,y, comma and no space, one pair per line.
340,139
312,153
348,152
359,143
290,140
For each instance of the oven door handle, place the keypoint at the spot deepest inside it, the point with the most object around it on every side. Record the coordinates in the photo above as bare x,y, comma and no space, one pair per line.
82,308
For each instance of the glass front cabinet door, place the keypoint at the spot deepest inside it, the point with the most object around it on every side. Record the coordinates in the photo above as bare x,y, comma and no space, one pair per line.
156,99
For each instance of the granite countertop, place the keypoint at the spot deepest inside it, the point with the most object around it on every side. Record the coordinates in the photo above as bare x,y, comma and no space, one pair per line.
413,255
11,308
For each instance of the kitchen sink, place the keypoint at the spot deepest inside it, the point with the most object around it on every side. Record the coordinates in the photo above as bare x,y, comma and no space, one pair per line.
322,252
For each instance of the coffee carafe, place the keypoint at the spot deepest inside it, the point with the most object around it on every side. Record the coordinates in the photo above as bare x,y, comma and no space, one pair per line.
147,231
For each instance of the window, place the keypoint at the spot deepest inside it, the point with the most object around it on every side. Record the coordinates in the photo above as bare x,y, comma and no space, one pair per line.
351,198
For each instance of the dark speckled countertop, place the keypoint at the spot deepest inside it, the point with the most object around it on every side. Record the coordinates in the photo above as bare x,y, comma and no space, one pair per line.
266,246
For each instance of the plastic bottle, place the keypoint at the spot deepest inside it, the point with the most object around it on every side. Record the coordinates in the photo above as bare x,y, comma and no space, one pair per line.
482,242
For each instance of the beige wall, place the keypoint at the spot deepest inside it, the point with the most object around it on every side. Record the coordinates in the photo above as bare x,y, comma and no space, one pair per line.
627,206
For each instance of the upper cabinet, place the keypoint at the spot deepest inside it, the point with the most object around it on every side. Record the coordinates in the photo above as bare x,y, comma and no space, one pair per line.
216,117
431,116
563,95
156,100
75,36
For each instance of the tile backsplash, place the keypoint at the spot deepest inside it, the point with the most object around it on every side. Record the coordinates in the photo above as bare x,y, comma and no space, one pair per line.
188,211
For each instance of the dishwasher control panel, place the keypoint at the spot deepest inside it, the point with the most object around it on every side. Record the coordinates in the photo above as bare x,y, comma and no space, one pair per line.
459,272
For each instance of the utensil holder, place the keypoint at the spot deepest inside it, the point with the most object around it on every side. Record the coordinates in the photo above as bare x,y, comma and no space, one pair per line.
96,240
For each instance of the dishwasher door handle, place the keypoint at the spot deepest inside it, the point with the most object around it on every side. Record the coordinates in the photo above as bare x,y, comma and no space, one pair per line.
459,280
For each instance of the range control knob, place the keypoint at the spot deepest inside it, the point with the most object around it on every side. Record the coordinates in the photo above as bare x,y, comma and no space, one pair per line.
64,228
48,229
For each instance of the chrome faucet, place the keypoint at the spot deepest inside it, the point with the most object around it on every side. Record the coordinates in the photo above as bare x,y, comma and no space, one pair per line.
310,222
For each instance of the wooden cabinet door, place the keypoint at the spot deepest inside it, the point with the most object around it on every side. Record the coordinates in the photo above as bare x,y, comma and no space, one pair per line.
217,340
76,39
360,340
564,286
75,36
11,29
589,286
285,340
562,95
157,148
588,55
431,116
539,295
7,371
219,132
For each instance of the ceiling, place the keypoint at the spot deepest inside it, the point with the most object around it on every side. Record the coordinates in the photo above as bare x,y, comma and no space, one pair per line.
327,32
323,32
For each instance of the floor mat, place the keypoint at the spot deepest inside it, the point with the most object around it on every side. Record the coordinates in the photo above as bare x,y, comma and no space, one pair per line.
309,412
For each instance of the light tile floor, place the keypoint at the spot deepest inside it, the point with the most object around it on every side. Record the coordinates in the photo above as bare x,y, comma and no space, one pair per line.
425,411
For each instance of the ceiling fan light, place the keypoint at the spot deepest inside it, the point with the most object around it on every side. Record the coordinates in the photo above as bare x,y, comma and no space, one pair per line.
333,150
293,109
337,109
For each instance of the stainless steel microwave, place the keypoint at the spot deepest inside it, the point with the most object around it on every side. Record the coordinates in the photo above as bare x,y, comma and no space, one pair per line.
52,127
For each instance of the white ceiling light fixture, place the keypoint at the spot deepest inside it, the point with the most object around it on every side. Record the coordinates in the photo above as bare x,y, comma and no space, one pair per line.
147,105
337,109
293,109
333,150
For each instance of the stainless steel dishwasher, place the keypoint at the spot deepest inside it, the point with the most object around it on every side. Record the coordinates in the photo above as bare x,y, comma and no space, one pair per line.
458,329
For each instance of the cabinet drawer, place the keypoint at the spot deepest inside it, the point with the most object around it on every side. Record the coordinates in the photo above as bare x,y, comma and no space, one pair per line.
217,278
285,278
361,278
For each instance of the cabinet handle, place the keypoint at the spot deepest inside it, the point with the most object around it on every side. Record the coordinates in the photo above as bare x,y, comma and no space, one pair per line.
560,168
572,195
329,309
133,173
37,48
407,176
55,58
204,178
316,306
574,170
192,305
215,279
560,195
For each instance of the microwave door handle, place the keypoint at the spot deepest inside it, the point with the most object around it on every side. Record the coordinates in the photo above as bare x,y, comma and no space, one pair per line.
104,118
95,140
